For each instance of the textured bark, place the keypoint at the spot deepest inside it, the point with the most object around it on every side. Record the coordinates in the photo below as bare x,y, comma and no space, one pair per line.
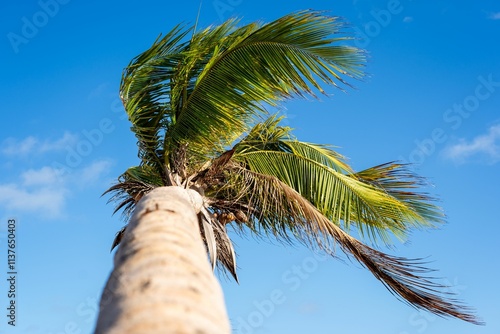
162,281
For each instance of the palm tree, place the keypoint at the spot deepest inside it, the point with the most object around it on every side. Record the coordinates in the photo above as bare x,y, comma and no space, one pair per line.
199,105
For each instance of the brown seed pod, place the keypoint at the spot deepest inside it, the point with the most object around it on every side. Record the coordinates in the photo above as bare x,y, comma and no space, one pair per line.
231,216
227,217
241,217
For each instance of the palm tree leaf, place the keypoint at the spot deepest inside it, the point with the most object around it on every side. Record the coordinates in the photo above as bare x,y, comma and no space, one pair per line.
226,255
257,66
268,135
342,198
399,182
208,236
132,186
144,90
206,91
219,246
277,208
376,201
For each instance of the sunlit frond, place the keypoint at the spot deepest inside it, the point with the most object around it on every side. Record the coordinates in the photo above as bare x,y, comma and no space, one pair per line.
145,89
264,65
340,197
207,91
399,182
268,135
278,209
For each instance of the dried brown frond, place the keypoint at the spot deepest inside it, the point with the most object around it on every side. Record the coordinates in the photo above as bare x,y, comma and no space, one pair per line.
179,161
127,193
212,172
219,163
217,242
118,237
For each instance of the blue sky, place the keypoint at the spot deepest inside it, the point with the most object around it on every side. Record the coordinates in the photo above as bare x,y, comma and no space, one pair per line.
432,98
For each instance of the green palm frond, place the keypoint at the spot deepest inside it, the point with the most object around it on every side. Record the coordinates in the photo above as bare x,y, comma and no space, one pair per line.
399,182
341,198
277,208
144,90
208,90
367,200
260,65
268,135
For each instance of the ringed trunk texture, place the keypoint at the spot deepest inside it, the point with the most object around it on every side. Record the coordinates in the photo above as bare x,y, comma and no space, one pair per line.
162,281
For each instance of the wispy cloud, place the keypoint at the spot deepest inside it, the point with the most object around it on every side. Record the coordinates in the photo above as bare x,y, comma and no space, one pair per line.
47,200
33,145
68,139
495,16
94,172
408,19
483,146
44,176
11,146
45,191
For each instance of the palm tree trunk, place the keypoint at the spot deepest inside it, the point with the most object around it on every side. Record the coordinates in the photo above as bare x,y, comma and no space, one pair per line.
162,281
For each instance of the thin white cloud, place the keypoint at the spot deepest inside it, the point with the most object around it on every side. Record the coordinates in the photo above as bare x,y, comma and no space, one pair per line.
495,16
68,139
408,19
45,191
12,146
44,176
94,172
33,145
47,201
483,146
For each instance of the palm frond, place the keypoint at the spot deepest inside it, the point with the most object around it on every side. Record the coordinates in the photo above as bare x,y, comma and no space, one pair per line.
263,65
223,253
207,91
132,186
340,197
399,182
207,232
144,91
268,135
277,208
379,202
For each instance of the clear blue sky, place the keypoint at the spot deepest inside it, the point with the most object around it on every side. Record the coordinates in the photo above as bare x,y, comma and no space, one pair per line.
432,98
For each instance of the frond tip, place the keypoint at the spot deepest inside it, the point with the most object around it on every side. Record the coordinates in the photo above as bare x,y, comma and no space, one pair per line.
408,280
118,238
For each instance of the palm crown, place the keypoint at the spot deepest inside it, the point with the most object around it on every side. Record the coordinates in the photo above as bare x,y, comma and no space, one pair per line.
197,105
